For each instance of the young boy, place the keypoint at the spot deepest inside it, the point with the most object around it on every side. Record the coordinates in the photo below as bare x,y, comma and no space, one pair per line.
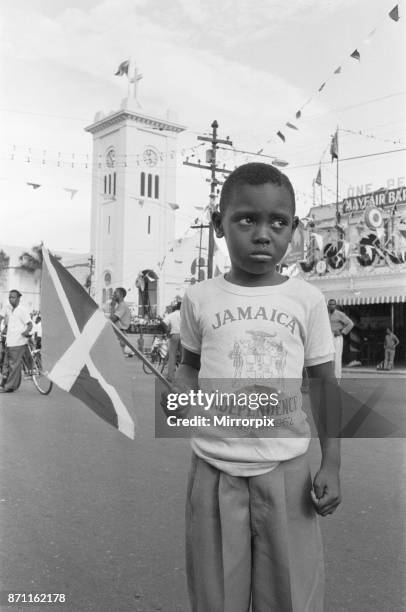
252,535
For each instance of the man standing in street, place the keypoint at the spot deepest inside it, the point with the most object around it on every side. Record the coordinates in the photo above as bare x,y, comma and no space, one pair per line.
173,324
341,325
120,313
19,326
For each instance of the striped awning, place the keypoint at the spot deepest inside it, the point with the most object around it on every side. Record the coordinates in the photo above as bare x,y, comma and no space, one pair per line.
356,300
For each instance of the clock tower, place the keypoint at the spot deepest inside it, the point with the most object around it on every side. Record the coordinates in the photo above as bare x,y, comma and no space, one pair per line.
133,204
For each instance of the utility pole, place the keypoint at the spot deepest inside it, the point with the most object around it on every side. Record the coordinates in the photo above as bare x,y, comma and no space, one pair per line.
211,165
201,227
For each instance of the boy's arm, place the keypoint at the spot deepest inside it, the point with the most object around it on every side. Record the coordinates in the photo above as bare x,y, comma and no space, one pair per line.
326,408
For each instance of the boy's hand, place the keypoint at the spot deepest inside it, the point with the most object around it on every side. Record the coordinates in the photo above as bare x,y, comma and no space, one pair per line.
326,495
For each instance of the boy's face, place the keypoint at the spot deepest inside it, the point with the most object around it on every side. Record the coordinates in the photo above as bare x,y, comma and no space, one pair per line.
258,224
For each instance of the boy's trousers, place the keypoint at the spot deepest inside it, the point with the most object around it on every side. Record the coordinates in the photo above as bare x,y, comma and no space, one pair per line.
253,536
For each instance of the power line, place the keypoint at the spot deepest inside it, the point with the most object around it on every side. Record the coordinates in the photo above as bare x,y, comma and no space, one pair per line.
349,158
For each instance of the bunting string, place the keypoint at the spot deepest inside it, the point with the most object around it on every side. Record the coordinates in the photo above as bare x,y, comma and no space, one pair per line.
371,136
354,55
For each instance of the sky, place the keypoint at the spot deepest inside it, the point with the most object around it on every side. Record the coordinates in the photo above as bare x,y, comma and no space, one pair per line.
249,65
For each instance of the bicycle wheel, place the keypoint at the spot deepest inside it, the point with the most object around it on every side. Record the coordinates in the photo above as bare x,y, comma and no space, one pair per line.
154,360
43,384
164,366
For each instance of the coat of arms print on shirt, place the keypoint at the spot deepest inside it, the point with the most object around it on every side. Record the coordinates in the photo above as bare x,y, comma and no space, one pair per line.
258,354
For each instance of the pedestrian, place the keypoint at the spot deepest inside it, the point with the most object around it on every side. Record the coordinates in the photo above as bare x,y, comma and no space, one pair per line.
341,325
141,343
390,343
252,532
121,314
37,329
19,326
174,346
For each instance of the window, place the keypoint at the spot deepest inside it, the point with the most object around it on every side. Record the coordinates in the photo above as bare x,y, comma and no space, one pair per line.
142,188
156,195
150,185
105,183
149,224
114,183
108,224
109,183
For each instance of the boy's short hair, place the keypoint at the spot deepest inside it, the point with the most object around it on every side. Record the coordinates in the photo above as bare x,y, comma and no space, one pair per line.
254,174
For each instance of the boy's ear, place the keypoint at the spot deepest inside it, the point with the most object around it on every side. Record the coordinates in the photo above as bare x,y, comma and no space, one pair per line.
295,223
216,220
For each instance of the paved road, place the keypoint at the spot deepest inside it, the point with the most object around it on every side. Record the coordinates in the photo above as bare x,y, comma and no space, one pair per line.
89,513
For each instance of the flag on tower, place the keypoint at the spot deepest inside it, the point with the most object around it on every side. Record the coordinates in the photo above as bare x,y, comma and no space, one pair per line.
80,351
123,68
334,146
318,177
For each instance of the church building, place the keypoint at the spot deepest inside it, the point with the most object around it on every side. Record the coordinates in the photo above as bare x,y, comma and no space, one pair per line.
133,202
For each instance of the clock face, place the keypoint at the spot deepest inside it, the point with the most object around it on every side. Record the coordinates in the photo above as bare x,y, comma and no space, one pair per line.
150,157
110,158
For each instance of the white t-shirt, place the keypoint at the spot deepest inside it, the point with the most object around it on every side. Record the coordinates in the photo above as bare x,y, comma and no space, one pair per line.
260,336
17,324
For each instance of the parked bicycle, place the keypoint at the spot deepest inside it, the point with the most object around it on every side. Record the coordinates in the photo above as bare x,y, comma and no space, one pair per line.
159,359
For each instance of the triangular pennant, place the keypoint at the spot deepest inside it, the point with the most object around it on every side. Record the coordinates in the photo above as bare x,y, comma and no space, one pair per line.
370,35
292,127
80,350
72,192
34,185
298,114
394,13
337,70
281,136
318,177
322,86
356,55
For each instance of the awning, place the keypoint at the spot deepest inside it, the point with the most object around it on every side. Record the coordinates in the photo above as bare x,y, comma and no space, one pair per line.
358,300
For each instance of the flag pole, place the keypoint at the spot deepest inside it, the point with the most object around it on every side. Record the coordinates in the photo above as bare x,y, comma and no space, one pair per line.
337,194
321,190
153,369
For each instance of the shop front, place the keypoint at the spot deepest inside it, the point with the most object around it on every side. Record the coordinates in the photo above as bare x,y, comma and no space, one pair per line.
356,254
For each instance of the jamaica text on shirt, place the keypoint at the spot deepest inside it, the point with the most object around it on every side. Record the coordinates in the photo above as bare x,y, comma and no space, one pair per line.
249,314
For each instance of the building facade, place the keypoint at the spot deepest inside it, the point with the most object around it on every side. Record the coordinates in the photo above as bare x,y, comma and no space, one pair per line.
356,254
133,205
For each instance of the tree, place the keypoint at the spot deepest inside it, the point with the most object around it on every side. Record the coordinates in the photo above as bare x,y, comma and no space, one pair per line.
32,262
4,260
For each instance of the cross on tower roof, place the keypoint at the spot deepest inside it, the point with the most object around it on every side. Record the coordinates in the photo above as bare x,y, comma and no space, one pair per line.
133,77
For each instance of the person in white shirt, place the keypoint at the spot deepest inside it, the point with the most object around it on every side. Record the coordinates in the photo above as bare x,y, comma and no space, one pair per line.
37,329
173,324
341,325
19,326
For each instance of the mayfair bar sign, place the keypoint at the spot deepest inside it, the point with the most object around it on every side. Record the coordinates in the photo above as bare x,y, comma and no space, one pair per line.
379,199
